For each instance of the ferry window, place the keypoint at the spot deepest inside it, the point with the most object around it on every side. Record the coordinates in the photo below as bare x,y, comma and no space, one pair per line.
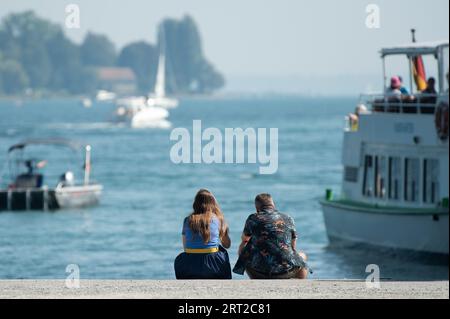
395,177
412,168
368,176
430,180
351,174
380,176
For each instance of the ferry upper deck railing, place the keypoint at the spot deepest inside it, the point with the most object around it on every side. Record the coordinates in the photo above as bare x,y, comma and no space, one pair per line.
410,104
384,103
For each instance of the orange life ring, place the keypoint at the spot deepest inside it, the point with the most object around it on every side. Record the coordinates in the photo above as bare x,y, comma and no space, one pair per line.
441,120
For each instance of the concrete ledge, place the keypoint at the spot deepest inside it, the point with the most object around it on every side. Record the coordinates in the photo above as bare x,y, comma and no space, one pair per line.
233,289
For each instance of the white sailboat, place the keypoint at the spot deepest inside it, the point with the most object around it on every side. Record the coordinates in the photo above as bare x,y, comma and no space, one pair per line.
149,111
159,98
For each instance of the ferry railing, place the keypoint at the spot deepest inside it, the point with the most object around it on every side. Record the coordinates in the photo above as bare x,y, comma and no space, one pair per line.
350,123
421,103
409,104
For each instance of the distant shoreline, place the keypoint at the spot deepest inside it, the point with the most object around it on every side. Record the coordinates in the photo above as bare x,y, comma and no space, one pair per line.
215,96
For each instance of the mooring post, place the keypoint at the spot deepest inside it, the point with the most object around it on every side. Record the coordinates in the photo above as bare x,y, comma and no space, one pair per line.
28,199
87,165
45,199
9,200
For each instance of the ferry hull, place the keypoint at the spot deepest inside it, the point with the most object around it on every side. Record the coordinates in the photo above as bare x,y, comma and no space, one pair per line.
423,232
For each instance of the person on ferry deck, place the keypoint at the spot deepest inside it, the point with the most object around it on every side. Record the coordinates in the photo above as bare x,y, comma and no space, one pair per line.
430,92
394,90
403,89
205,237
268,248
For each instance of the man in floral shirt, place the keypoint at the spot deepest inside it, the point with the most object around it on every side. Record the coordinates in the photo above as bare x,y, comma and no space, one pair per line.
268,248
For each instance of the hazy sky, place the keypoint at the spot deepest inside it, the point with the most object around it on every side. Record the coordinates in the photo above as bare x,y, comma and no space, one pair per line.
264,38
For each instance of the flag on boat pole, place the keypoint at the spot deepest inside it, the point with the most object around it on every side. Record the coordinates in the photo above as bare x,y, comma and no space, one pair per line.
418,68
419,73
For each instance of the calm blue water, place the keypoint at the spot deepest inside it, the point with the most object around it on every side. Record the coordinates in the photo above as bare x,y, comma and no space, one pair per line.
135,231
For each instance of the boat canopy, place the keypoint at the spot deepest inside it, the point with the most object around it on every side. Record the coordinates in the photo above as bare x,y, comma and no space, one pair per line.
416,48
50,141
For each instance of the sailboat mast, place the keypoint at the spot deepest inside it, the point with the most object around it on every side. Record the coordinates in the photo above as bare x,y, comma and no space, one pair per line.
160,85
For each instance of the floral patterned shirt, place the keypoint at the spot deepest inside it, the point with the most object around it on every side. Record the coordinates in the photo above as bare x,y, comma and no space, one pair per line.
270,247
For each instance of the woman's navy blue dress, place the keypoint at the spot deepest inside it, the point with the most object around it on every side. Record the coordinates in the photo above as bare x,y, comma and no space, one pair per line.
208,265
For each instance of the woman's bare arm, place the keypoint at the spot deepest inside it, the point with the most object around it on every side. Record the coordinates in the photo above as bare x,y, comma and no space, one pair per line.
184,241
226,241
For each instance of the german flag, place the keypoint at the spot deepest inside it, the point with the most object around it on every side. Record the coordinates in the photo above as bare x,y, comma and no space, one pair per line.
419,73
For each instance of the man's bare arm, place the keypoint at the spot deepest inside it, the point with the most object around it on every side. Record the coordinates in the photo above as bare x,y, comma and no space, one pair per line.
245,239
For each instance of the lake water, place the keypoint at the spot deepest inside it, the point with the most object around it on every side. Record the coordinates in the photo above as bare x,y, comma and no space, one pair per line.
135,232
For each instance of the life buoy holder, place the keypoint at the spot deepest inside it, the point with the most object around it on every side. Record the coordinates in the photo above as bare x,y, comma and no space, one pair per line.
441,120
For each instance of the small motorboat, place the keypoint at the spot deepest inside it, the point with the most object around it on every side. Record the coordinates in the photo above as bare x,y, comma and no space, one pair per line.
86,102
26,189
138,114
105,96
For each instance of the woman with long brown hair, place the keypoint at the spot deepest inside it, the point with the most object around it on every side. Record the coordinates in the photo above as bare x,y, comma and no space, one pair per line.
205,237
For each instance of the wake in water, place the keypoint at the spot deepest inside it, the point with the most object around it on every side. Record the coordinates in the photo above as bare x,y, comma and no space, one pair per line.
9,132
162,124
247,176
84,126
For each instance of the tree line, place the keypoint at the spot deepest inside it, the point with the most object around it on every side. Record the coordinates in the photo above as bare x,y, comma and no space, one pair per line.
36,55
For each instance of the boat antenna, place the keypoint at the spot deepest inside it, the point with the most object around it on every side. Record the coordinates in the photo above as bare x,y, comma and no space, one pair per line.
413,34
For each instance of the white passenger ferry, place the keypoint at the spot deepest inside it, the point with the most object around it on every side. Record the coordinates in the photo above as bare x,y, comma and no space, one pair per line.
395,161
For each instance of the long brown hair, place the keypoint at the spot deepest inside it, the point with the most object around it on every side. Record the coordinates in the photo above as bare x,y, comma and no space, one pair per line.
205,208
